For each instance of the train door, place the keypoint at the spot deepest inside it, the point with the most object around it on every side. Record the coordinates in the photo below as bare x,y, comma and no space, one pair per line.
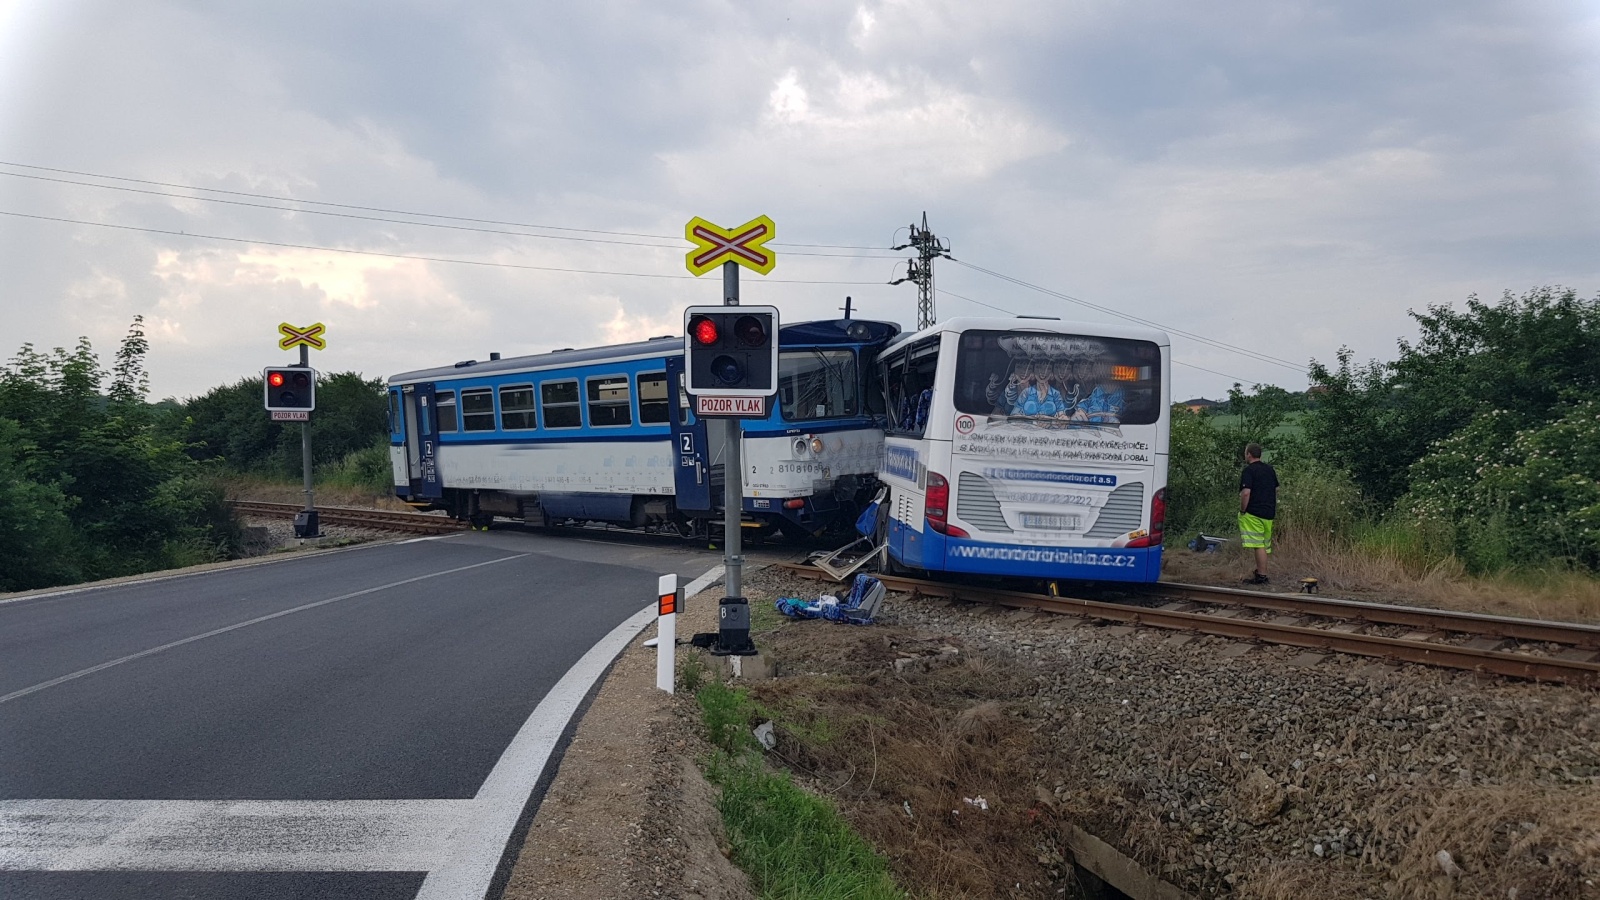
422,442
692,474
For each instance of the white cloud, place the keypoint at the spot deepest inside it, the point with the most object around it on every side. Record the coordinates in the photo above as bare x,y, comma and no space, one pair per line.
1283,176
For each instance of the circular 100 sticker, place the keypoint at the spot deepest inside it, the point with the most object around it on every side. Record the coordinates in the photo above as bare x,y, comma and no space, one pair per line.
965,424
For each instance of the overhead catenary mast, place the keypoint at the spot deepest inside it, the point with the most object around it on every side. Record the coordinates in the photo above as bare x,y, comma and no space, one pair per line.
920,270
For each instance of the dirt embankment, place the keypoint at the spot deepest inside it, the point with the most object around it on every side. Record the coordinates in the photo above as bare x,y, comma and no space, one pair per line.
963,740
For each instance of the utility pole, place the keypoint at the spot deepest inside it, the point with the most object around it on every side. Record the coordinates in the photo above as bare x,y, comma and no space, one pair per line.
919,271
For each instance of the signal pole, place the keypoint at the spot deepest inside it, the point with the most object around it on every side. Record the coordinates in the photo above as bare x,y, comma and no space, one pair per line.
733,486
919,271
309,514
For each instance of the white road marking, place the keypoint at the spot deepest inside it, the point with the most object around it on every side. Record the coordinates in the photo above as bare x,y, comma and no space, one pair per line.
475,852
227,835
432,537
70,676
458,842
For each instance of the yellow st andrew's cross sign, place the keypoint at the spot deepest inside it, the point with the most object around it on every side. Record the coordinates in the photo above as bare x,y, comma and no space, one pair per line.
294,336
745,245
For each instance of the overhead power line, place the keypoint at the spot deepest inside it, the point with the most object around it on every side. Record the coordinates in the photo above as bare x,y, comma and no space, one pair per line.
437,259
385,210
1220,345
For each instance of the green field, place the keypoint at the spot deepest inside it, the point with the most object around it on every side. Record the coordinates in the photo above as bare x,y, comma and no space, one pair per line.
1291,427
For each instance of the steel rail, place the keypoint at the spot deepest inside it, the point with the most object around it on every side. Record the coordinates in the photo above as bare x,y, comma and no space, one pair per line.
1514,665
1575,634
374,518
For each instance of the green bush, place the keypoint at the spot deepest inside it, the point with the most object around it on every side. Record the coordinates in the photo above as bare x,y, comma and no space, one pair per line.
367,469
97,482
1520,497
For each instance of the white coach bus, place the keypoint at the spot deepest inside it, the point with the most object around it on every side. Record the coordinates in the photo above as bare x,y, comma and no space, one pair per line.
1027,447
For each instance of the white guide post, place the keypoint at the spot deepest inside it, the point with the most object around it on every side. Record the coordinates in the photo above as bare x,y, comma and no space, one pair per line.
666,632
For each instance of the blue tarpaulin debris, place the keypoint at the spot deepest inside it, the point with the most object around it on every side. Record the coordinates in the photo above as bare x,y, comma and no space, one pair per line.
857,608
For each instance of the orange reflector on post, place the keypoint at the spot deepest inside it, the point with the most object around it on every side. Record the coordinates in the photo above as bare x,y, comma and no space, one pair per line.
668,604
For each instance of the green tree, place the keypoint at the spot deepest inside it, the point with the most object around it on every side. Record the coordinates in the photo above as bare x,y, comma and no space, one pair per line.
229,424
40,547
1531,357
102,476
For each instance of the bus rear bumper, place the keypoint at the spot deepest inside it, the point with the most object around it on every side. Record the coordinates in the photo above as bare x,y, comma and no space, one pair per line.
938,553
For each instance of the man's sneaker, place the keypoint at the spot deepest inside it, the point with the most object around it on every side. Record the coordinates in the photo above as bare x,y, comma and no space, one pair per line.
1257,578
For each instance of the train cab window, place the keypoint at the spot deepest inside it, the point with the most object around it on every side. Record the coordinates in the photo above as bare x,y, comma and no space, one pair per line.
818,384
561,404
516,407
653,406
445,403
610,405
908,382
477,410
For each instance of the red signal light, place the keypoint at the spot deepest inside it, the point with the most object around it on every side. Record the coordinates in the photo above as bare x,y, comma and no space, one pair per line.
275,379
704,330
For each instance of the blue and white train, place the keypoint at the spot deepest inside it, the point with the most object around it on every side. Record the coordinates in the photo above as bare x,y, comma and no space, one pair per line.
1026,448
607,435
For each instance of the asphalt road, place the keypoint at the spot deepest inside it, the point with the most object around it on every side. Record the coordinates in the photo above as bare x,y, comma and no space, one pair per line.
362,723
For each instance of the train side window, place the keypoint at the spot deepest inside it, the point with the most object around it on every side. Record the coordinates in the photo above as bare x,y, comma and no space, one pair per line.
516,407
561,404
653,406
396,430
445,402
477,410
610,405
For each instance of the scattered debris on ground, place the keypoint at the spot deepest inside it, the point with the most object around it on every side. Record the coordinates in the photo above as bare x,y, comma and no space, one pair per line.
1226,768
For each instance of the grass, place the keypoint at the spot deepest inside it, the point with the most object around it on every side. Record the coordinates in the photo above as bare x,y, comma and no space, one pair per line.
793,844
1291,427
1390,562
253,487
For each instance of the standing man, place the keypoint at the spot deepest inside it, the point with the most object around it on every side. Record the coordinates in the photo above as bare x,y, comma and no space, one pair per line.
1258,506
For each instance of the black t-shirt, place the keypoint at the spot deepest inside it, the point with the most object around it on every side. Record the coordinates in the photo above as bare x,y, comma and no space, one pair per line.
1262,480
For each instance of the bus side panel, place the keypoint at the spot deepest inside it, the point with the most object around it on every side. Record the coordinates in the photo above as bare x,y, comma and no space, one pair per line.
905,472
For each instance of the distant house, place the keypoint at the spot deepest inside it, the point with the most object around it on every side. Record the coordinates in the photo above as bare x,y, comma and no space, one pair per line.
1200,404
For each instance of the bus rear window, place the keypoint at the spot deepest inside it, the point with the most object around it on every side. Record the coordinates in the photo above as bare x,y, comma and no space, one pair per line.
1069,379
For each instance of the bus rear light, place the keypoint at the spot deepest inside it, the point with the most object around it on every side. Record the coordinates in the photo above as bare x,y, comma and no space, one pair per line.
937,507
1158,522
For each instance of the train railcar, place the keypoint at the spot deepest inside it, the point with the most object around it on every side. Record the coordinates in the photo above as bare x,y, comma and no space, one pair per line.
607,434
1027,448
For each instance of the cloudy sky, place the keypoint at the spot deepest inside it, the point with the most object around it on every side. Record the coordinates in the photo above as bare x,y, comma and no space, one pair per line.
1276,177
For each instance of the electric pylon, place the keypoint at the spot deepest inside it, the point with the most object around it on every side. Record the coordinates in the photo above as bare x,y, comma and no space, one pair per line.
920,270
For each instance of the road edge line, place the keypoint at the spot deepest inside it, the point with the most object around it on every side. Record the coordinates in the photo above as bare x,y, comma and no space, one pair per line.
470,865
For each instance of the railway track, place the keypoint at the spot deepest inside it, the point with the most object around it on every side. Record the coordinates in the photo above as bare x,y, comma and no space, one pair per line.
1530,649
385,520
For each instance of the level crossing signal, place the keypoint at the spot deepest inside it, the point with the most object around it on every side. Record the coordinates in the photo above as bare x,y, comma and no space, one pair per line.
290,389
731,351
